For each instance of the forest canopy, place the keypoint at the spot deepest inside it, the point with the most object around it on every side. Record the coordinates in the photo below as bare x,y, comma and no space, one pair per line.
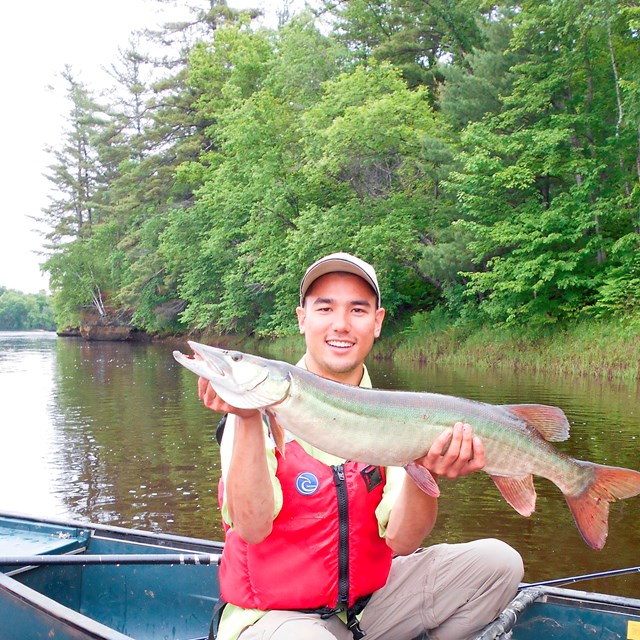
485,158
25,311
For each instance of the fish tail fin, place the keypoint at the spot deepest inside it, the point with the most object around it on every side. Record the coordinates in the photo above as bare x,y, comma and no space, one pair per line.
590,508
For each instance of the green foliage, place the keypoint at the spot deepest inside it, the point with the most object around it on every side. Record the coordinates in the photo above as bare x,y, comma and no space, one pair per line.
410,34
78,173
471,91
84,273
425,323
543,182
609,348
619,293
485,160
25,311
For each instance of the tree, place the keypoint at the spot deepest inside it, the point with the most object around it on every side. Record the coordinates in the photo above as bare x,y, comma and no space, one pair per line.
471,91
84,273
486,158
24,311
252,184
77,172
410,34
543,181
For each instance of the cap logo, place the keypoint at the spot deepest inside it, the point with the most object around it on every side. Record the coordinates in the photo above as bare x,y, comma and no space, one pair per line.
307,483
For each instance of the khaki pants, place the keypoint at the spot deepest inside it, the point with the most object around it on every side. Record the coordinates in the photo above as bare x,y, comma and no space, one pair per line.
449,591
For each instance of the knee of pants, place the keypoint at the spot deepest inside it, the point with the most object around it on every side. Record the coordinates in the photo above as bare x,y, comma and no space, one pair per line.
503,559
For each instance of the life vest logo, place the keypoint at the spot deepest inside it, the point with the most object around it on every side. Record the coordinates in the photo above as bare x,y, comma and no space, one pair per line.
307,483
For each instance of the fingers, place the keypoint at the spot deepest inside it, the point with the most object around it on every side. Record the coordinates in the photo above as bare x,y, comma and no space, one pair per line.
455,452
213,401
459,451
208,396
478,461
203,385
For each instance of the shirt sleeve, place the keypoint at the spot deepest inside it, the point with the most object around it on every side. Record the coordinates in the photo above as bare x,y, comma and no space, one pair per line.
394,478
226,447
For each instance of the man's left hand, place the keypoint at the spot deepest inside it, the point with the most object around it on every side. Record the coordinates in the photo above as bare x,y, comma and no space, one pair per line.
455,452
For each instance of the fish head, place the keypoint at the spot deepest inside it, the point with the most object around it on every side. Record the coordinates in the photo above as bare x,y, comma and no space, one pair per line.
242,380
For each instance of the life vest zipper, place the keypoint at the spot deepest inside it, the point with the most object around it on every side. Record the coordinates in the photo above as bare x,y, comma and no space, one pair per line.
343,534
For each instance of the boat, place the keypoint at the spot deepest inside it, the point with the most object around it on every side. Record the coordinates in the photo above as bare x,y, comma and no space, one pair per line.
556,613
78,581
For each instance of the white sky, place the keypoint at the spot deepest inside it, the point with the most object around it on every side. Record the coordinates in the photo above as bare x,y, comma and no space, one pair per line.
37,39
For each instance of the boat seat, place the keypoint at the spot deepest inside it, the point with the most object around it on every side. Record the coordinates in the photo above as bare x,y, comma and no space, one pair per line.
31,538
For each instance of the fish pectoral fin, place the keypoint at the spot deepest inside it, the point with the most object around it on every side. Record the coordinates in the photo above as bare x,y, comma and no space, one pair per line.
518,492
423,478
550,422
277,432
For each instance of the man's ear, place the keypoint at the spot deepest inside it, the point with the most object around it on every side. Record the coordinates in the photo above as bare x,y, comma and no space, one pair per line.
301,313
379,318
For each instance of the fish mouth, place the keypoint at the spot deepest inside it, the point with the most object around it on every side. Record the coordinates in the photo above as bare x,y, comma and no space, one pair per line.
220,364
218,367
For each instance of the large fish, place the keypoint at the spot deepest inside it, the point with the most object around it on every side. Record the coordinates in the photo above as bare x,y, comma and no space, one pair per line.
396,428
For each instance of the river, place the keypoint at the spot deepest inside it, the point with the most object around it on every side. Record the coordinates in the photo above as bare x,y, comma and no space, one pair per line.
113,432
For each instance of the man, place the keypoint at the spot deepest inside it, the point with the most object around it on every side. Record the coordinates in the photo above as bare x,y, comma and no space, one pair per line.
284,571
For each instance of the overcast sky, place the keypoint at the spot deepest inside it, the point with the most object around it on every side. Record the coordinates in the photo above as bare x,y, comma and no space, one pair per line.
37,39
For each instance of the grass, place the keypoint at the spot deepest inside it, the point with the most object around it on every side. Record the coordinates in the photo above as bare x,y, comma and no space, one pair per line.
605,349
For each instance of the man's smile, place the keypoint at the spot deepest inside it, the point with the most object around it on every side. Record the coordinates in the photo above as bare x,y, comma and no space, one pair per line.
340,344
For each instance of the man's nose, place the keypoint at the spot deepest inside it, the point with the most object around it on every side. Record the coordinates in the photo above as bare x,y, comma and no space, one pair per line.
341,321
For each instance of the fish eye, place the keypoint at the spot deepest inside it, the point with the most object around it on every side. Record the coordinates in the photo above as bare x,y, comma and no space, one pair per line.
236,357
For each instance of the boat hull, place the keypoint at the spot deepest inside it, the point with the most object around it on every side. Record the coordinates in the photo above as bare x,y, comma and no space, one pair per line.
566,614
164,601
109,602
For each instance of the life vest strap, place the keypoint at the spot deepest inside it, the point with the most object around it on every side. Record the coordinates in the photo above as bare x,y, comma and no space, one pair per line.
353,624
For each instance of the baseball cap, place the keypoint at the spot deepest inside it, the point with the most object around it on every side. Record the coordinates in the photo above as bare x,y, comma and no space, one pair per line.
337,262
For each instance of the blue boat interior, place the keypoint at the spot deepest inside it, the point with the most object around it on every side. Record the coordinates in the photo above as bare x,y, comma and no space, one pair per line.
26,538
557,618
173,602
176,602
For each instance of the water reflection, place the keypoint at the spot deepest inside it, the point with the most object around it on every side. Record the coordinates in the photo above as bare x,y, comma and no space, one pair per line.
604,428
138,445
26,386
113,432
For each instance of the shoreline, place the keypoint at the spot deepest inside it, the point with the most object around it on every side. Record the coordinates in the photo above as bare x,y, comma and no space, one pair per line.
607,350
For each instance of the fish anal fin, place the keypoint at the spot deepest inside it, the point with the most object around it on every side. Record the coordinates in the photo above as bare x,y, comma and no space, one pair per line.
590,508
519,492
423,478
277,432
550,422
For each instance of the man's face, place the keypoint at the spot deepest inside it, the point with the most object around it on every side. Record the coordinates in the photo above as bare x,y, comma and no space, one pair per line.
340,322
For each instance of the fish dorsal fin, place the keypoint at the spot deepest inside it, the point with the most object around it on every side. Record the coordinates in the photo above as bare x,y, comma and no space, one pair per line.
550,422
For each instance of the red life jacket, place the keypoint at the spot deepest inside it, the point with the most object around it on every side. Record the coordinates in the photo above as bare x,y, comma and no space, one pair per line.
325,547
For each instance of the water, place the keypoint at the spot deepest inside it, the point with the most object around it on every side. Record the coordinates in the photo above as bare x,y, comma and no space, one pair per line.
114,433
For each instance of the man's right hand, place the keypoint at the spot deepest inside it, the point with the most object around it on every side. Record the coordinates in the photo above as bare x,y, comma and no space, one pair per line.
213,401
249,491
